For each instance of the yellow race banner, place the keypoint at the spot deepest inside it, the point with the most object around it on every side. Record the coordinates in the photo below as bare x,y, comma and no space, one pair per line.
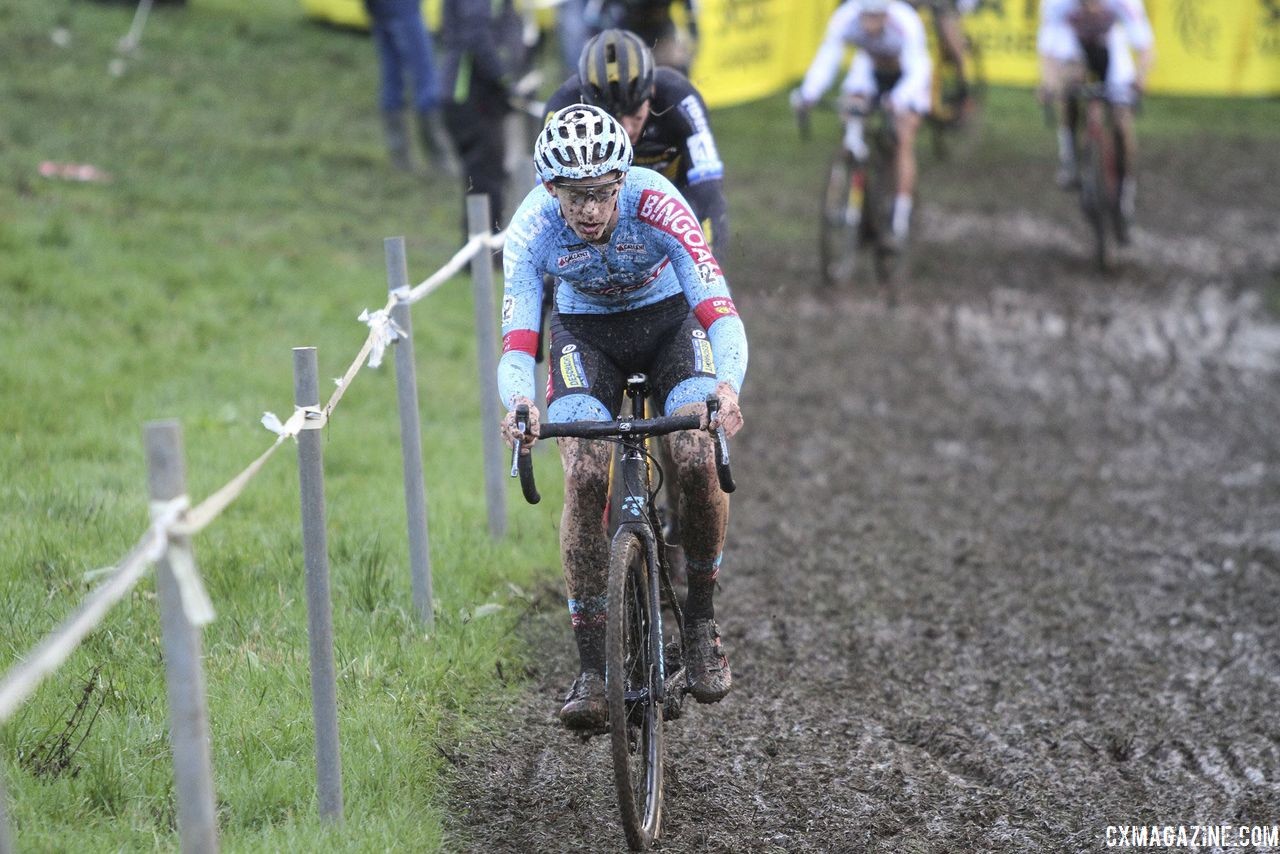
749,49
752,48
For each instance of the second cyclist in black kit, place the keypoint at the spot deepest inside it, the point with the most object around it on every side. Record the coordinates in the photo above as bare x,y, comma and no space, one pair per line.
664,115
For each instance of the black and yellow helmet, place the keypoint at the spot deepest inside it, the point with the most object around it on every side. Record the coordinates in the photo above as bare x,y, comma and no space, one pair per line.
616,72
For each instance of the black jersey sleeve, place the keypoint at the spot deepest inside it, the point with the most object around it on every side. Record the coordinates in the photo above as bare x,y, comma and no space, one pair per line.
701,176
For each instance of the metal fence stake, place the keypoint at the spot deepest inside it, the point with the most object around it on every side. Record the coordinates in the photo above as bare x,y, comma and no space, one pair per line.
6,838
478,222
183,670
415,491
324,690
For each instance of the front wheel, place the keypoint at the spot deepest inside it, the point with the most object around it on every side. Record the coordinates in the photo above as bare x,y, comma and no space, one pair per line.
842,226
1095,198
633,650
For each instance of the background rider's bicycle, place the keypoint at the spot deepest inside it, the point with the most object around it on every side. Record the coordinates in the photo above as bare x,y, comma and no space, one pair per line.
855,229
1102,170
645,677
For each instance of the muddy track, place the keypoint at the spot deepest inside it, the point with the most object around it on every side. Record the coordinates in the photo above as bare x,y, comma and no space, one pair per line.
1003,569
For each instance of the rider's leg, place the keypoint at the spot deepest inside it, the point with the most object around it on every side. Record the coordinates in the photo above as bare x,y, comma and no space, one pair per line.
1056,79
704,516
584,549
907,123
703,513
1123,115
855,102
1121,92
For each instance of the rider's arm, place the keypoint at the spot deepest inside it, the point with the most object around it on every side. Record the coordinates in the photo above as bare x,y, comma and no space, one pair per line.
915,60
675,228
704,175
826,62
1133,17
521,303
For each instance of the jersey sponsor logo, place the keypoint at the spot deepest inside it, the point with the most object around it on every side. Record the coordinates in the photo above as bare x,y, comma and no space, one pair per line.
569,348
704,160
710,310
523,340
508,309
704,361
573,258
572,371
694,113
629,247
669,214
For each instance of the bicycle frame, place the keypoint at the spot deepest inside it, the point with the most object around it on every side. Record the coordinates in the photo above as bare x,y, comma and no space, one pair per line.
640,693
857,203
1102,166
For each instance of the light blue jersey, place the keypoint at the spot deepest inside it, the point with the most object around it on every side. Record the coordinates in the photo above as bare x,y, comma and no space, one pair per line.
656,250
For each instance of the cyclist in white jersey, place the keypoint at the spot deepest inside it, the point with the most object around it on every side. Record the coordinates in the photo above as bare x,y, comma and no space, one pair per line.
892,66
1100,36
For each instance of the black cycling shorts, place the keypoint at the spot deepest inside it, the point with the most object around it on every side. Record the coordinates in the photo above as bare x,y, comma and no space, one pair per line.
593,354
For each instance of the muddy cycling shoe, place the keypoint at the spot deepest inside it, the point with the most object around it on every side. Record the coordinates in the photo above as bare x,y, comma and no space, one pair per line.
707,663
586,707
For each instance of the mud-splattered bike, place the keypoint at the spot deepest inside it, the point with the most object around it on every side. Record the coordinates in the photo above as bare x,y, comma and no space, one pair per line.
1101,159
645,677
856,224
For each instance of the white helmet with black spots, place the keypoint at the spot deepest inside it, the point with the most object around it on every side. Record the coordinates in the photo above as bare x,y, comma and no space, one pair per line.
581,141
874,7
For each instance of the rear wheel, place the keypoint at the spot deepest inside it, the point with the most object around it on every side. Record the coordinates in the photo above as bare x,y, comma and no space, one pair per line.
890,256
841,228
633,647
1095,198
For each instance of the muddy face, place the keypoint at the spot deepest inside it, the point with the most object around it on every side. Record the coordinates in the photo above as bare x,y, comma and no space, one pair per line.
590,205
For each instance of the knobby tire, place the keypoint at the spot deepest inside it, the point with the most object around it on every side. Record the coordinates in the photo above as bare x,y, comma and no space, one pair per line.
1095,198
631,654
839,240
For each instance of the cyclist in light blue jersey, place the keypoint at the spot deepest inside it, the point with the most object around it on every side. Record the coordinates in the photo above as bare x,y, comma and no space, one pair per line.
637,290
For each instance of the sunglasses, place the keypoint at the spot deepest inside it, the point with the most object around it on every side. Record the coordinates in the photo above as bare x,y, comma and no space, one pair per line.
576,197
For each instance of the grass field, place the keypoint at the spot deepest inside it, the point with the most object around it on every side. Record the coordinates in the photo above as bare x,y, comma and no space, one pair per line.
245,216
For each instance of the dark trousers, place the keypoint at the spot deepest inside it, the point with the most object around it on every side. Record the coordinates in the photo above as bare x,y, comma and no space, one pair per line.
476,128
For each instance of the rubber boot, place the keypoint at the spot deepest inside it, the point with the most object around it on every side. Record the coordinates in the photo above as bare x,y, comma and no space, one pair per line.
436,144
396,131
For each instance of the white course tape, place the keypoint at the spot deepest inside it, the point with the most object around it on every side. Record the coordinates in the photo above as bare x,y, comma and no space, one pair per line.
182,562
456,263
57,646
383,331
303,418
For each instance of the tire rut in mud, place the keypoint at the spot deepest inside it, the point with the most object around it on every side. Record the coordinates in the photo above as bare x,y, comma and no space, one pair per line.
1003,567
